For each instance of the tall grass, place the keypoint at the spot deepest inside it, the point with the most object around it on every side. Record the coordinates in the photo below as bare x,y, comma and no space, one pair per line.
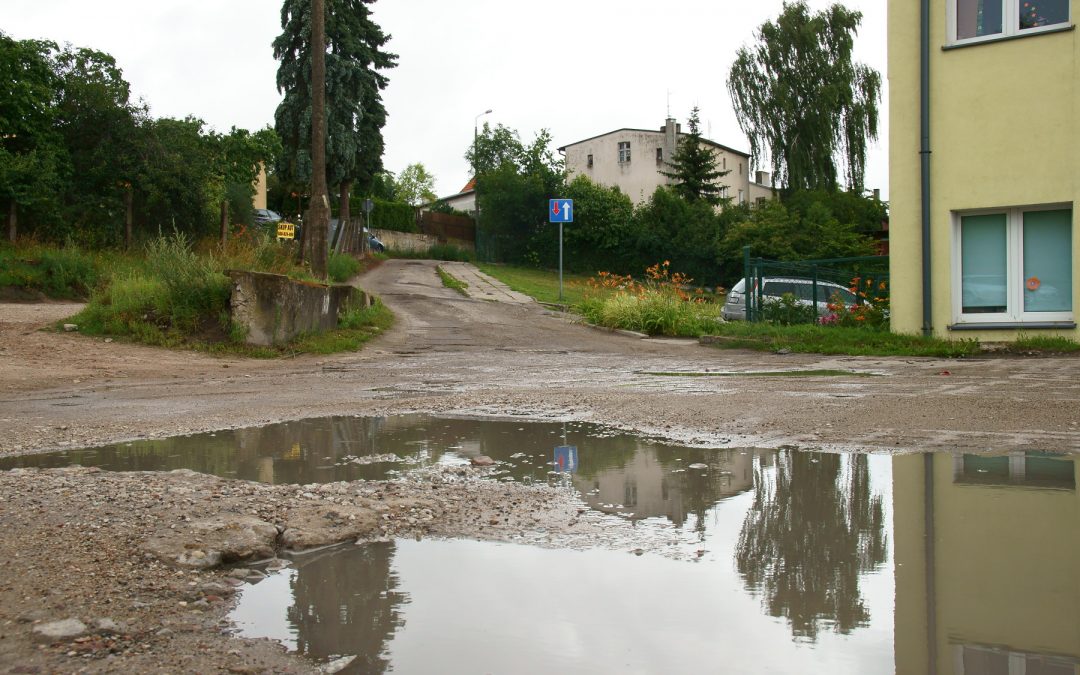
654,312
342,267
64,273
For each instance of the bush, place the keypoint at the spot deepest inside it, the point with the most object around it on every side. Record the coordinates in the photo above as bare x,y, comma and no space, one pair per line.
787,310
195,286
342,267
660,306
395,216
447,252
66,273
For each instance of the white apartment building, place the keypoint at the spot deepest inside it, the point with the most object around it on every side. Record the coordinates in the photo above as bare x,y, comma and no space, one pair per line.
632,160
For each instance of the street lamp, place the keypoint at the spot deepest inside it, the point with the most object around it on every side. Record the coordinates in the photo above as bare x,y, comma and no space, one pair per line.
475,177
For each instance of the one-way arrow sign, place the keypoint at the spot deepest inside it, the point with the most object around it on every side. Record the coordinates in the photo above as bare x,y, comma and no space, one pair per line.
560,210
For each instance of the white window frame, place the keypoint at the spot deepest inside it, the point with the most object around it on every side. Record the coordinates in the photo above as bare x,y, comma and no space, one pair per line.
1014,232
624,152
1010,24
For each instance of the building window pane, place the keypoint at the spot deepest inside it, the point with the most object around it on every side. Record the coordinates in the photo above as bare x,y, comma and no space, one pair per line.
984,264
1048,261
1037,13
624,152
976,18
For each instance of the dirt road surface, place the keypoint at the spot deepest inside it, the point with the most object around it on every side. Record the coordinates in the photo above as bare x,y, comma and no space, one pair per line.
77,542
475,356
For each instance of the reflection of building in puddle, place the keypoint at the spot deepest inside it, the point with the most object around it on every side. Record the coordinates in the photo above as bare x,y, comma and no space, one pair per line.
987,553
650,483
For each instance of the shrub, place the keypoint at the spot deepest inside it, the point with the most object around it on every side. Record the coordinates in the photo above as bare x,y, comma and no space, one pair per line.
196,288
68,272
342,267
659,306
872,310
787,310
396,216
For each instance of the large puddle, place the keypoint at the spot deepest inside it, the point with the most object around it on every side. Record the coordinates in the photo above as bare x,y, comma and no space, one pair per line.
801,561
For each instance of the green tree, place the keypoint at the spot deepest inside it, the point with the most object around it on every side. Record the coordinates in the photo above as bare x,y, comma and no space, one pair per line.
693,167
355,65
604,233
100,129
32,159
803,102
414,185
514,182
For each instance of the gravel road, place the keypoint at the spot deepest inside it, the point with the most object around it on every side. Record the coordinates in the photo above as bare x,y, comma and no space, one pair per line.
79,544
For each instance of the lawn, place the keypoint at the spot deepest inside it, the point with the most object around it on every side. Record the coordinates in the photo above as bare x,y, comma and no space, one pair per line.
540,284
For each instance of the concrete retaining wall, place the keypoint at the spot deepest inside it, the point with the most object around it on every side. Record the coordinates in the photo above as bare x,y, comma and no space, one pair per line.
410,241
275,309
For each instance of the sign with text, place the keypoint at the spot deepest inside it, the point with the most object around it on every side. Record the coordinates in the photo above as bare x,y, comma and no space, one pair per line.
286,230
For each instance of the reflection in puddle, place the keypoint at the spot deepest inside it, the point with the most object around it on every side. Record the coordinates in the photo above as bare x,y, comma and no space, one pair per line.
793,555
987,553
793,575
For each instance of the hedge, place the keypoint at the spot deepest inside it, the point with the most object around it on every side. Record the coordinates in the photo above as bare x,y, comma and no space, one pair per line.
396,216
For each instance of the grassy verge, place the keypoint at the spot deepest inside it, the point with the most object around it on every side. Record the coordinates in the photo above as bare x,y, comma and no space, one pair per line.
177,297
70,273
341,267
543,285
653,312
449,281
833,340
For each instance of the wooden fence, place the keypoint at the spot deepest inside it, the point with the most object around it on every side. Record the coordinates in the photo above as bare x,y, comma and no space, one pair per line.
448,228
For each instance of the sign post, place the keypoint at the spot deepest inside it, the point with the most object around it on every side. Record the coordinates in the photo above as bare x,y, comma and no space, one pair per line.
560,211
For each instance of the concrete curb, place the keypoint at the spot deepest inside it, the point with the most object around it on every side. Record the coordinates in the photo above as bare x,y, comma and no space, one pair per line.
617,331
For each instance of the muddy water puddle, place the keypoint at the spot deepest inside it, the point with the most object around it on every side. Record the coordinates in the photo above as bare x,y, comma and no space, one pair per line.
790,561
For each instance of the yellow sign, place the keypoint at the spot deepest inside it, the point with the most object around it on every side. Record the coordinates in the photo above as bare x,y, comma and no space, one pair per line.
286,230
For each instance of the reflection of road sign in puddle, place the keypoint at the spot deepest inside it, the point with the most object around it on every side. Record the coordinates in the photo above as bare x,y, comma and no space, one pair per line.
566,459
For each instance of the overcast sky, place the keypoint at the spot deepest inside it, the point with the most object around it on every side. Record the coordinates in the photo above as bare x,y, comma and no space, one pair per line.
576,67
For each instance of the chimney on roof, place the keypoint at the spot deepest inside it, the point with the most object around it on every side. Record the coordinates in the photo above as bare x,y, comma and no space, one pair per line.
671,138
877,194
763,178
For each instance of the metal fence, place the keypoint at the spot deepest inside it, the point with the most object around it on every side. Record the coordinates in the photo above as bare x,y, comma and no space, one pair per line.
814,282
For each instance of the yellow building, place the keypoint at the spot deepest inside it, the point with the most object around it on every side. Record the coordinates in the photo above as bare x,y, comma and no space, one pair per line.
984,167
986,564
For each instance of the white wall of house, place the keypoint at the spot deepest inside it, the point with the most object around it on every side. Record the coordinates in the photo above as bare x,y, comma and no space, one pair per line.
639,175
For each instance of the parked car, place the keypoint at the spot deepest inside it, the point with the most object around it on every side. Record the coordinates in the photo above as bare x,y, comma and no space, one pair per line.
774,288
373,242
266,217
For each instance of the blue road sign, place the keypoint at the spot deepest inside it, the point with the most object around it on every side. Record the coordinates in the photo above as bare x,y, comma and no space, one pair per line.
560,210
566,459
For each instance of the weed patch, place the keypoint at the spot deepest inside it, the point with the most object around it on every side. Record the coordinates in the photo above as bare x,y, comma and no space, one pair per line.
449,281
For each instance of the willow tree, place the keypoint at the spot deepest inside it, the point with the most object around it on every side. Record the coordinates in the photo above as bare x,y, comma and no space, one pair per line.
803,102
355,114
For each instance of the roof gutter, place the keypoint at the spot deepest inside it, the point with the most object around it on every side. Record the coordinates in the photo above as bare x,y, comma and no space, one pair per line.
924,154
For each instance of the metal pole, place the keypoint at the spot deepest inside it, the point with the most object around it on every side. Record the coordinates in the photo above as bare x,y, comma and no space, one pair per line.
560,262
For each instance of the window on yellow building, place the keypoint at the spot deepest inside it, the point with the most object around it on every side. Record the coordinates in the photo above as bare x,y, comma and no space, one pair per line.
1016,265
975,19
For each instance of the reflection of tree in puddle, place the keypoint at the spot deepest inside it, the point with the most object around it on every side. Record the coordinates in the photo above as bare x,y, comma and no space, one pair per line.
813,528
346,603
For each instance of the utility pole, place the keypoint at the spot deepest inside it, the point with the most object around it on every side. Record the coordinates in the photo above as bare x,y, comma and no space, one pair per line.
320,200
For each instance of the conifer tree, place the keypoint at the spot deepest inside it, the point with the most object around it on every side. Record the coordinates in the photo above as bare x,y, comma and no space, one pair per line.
693,167
355,114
